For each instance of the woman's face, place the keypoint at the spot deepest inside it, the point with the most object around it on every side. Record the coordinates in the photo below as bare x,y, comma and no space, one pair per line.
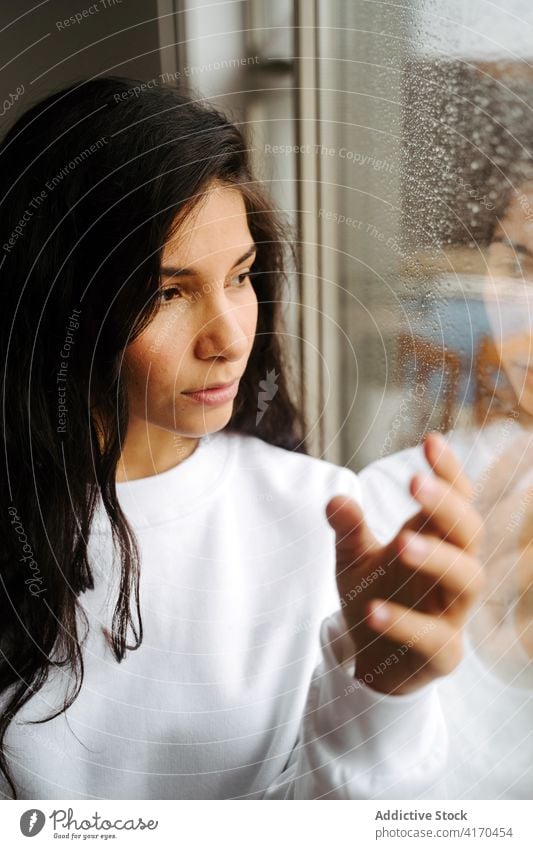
204,330
511,285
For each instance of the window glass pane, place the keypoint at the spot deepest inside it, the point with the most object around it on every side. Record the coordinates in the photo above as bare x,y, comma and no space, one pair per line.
429,138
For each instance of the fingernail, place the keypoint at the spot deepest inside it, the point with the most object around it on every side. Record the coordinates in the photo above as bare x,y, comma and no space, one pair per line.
438,439
379,613
425,485
416,545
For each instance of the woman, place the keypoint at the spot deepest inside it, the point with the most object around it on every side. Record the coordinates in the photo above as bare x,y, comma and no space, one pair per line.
181,550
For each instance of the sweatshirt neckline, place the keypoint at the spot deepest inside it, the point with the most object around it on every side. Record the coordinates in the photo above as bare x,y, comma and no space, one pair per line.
180,490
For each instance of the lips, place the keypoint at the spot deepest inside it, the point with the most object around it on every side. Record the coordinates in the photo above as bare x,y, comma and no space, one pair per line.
211,386
215,396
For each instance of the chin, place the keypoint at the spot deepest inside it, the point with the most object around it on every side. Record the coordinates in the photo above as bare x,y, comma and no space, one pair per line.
212,421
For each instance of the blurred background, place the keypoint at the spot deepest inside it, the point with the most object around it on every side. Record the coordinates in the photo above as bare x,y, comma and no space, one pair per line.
391,135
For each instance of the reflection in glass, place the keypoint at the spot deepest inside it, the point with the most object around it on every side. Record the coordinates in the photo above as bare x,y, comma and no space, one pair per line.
502,625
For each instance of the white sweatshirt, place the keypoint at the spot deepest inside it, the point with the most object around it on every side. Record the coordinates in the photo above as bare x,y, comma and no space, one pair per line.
243,686
489,719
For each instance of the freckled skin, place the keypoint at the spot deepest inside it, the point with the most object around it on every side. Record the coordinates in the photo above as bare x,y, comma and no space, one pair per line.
203,334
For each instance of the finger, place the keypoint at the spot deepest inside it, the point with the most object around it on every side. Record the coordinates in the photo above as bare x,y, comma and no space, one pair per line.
451,515
445,464
458,573
353,539
432,638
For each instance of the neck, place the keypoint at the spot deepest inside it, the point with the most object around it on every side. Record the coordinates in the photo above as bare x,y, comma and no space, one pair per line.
149,450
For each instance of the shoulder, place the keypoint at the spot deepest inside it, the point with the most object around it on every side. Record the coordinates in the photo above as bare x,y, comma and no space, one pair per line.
284,471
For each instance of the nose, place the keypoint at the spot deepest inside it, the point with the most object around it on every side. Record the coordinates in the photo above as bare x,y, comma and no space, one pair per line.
222,331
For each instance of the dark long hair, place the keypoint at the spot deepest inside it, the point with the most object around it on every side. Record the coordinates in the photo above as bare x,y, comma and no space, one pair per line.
95,178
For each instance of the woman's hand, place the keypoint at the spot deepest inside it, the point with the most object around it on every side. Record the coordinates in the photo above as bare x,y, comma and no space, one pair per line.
406,603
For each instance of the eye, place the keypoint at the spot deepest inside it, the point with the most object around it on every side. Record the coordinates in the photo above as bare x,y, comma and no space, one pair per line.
169,293
242,277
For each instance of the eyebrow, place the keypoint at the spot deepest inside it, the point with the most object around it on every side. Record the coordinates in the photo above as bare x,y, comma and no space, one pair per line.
168,271
516,246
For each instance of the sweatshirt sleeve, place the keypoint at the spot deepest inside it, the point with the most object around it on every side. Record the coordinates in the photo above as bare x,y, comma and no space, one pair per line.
357,743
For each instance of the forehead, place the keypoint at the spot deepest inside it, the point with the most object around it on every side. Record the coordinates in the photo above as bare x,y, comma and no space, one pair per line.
218,226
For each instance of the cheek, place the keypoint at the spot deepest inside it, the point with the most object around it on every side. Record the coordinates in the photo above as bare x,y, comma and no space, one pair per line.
250,318
154,360
161,351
